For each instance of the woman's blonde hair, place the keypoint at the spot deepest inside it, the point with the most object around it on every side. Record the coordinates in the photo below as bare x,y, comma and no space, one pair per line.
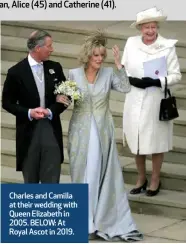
97,39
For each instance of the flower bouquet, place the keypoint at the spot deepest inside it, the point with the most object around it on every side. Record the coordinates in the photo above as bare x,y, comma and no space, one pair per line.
68,88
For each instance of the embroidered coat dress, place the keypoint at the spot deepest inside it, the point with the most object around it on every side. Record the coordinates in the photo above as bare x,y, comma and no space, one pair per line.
93,155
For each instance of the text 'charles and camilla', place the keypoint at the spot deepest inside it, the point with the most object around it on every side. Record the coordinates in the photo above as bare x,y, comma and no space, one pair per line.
51,212
46,4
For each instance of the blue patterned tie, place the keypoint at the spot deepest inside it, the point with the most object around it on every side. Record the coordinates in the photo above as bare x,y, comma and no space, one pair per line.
39,71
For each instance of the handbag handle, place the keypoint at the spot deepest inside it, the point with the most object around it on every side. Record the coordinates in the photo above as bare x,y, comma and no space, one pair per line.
166,89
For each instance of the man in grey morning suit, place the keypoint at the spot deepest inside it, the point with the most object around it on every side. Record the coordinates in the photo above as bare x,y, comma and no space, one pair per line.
28,93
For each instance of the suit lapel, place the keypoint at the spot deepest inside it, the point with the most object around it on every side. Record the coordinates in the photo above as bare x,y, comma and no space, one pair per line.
29,78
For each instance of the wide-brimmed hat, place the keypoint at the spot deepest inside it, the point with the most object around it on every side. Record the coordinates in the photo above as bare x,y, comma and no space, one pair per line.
148,15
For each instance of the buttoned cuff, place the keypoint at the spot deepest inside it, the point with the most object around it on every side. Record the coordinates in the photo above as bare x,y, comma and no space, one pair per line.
29,116
50,116
162,81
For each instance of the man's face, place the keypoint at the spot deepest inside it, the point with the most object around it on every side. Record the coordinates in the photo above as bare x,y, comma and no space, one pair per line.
46,50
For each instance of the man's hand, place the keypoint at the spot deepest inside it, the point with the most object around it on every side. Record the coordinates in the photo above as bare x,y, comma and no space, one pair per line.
37,113
46,112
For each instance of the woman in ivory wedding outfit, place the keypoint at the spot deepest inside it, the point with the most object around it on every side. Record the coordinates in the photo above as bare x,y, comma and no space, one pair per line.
92,149
144,132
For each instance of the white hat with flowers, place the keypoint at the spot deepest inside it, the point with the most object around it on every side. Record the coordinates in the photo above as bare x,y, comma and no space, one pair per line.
148,15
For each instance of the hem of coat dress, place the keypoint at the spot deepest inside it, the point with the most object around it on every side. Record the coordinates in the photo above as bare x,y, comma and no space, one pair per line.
128,237
150,153
125,143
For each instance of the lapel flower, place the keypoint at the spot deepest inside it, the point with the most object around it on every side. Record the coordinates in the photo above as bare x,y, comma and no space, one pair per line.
51,71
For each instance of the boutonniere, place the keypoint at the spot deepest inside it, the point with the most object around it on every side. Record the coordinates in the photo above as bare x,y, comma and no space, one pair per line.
51,71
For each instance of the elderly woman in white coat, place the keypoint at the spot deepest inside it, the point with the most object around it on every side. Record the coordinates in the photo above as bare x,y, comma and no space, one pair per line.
144,132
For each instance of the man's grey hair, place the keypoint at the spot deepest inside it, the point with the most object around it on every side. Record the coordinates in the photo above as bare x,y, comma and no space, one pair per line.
37,38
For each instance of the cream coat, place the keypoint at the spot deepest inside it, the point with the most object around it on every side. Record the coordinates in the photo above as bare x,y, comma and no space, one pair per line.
144,133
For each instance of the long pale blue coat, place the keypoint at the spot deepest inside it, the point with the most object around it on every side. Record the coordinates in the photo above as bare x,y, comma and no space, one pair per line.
113,213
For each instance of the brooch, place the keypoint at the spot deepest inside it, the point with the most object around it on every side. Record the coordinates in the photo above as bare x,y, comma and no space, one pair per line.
159,46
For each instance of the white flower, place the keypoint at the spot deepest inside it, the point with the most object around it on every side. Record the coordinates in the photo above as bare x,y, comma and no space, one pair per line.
69,88
51,71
